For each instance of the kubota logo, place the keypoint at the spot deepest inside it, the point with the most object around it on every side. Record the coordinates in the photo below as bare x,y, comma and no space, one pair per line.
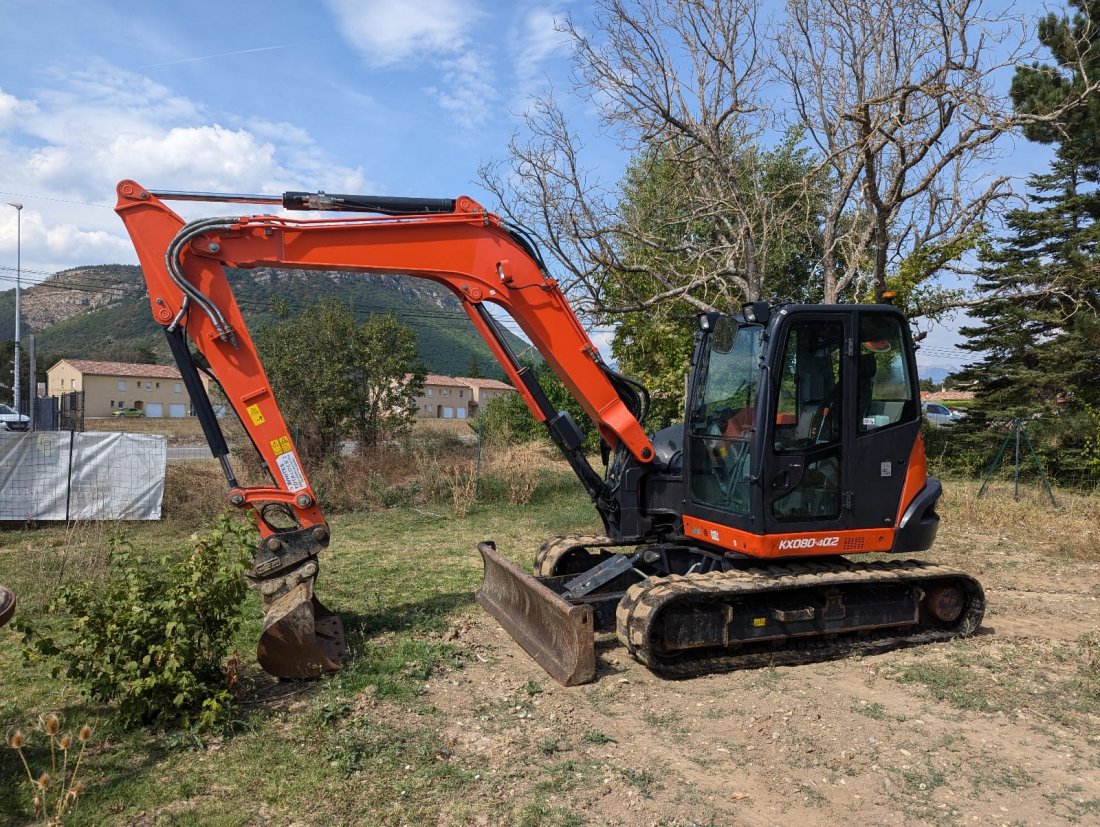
810,542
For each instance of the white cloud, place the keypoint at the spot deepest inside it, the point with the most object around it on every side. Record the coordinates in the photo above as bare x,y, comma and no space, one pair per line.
417,33
385,33
537,42
63,153
468,93
11,108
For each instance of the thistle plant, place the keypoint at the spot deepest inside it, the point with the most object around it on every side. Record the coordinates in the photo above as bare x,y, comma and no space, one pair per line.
55,792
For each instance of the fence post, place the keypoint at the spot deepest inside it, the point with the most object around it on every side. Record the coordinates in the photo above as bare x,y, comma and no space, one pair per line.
69,477
477,472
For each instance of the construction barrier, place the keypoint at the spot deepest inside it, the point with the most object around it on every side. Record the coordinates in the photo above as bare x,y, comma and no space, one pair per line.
61,475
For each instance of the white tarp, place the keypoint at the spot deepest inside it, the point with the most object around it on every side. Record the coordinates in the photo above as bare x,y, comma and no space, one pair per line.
57,475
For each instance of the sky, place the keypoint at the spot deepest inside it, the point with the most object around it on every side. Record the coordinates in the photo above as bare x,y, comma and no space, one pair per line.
348,96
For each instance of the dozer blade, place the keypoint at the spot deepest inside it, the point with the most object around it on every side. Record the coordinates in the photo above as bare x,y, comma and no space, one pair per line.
301,638
557,634
7,604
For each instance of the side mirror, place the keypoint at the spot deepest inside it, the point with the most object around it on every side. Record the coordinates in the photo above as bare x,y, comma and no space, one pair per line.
724,335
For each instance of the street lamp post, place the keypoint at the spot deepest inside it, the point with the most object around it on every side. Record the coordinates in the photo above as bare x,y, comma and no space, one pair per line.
16,386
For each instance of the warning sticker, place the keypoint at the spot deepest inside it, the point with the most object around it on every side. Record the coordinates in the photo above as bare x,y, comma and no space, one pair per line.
292,472
256,415
280,445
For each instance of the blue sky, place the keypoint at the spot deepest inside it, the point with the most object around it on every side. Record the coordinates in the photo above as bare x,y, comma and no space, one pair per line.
361,96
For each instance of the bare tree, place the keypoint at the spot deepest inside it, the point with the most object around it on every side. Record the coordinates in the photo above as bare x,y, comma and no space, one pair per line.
899,97
682,80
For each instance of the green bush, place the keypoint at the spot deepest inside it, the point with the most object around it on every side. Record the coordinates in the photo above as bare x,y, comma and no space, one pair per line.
154,635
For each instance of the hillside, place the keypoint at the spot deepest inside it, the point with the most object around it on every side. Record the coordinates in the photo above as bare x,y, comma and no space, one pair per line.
102,311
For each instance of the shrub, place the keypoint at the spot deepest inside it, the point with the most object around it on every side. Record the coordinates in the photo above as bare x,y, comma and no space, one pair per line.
153,636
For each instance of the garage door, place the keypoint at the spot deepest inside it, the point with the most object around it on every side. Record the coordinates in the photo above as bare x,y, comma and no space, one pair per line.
154,409
177,411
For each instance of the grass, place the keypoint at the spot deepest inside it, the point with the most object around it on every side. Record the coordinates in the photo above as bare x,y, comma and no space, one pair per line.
399,580
366,746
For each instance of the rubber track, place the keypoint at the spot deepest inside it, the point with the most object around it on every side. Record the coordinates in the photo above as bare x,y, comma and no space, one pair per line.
554,549
642,605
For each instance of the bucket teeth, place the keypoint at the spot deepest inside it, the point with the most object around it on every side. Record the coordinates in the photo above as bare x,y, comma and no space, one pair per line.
557,634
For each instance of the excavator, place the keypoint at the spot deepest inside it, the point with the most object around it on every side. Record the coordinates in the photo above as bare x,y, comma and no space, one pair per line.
729,540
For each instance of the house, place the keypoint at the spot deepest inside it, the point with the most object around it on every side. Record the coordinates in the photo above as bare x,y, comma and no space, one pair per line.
155,389
449,397
484,390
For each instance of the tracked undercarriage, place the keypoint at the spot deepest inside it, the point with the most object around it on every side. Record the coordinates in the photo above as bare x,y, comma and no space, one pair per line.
685,611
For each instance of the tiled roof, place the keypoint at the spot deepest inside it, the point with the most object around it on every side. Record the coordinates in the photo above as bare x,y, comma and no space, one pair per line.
489,384
469,382
946,396
93,368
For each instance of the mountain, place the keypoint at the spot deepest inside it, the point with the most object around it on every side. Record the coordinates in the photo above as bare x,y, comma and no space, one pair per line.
102,312
936,374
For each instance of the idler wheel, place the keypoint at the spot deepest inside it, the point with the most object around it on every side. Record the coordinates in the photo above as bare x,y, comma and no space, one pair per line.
945,603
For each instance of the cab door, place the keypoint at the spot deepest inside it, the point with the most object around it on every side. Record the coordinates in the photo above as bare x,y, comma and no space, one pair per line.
808,439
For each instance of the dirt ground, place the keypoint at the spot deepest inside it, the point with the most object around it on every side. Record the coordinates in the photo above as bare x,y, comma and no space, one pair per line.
1003,728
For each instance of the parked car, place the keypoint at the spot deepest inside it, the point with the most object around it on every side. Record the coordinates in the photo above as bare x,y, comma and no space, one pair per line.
129,412
12,421
939,414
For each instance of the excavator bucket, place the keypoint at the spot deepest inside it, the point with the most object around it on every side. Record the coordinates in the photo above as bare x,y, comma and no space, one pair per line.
7,604
300,638
557,634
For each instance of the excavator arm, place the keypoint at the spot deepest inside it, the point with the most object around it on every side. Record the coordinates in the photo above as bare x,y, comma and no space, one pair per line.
456,243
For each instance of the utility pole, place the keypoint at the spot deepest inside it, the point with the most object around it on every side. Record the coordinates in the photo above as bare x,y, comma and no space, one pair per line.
16,386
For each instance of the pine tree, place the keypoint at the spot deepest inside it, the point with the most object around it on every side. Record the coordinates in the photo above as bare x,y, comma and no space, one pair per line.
1040,284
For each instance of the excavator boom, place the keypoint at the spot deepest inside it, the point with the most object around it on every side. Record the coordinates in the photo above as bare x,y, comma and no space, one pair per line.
453,242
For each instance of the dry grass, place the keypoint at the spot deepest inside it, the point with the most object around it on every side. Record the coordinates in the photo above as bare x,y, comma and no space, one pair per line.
179,431
1069,529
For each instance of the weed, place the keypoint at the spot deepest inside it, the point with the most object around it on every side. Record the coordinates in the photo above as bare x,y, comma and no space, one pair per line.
550,745
533,688
813,796
641,779
565,775
154,637
594,736
948,682
923,779
54,793
540,814
669,720
874,710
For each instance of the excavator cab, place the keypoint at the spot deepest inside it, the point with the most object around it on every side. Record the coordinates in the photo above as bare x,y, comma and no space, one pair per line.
804,420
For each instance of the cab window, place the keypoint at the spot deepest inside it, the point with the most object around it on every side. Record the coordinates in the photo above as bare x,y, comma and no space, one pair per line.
885,392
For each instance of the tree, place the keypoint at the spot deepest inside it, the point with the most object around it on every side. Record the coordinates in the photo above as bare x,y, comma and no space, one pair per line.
895,97
680,82
898,98
1039,312
508,419
654,346
336,380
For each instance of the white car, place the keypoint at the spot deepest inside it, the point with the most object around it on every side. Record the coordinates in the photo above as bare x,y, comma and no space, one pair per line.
940,414
12,421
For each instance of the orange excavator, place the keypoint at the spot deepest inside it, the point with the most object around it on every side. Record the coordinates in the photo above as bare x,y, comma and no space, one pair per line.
731,539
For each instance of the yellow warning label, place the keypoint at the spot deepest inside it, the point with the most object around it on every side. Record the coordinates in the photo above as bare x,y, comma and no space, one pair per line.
759,621
256,415
280,445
